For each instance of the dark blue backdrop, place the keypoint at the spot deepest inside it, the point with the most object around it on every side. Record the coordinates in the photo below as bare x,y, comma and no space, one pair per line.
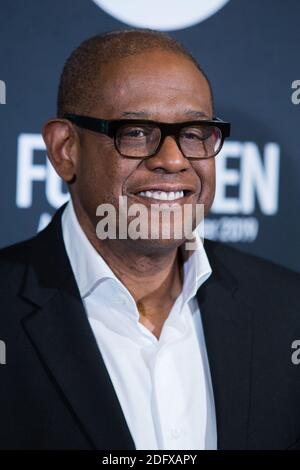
249,50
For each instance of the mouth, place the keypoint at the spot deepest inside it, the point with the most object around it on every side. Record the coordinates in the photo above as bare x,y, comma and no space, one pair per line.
162,195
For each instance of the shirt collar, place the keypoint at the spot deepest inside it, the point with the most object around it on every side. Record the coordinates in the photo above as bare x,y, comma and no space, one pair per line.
196,268
88,266
90,269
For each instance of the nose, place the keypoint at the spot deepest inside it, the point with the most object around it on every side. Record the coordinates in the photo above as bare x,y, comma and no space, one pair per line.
169,158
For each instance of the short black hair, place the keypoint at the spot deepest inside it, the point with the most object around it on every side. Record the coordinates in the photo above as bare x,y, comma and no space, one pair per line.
78,81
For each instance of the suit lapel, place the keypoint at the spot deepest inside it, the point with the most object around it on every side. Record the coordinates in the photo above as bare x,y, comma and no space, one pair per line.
60,332
228,329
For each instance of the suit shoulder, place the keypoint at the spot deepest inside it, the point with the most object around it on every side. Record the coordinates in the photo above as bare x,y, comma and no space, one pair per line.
250,266
13,259
17,252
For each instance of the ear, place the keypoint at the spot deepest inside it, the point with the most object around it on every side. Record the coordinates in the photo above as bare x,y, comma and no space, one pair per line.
62,142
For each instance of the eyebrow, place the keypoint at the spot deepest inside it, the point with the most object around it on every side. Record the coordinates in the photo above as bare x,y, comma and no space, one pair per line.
135,114
144,114
195,113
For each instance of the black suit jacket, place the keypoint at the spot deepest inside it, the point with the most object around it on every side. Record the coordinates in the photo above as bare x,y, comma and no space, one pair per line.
56,393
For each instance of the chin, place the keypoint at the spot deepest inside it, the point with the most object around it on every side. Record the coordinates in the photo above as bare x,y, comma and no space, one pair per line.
152,246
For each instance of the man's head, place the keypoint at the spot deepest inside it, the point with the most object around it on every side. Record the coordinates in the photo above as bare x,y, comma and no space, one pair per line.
129,74
79,86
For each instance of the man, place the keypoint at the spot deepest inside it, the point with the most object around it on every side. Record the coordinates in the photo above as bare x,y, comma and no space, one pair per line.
140,343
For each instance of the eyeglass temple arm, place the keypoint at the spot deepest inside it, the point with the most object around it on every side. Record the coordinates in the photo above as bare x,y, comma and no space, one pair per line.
99,125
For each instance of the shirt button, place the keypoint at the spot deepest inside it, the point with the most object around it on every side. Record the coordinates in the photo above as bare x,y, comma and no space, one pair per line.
175,433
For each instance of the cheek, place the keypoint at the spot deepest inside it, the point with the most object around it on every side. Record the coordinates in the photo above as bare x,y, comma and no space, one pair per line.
206,173
101,175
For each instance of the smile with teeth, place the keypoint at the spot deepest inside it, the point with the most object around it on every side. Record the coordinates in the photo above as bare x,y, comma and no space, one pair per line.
162,195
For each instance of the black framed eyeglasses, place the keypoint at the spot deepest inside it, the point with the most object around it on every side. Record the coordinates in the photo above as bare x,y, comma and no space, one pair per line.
136,138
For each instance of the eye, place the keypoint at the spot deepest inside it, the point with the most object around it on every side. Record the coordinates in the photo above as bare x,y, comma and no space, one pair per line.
134,132
190,135
197,133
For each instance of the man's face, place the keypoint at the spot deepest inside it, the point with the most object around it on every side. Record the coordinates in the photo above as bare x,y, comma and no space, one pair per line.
159,86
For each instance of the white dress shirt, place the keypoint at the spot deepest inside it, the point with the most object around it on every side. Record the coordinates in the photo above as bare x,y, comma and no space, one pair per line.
163,385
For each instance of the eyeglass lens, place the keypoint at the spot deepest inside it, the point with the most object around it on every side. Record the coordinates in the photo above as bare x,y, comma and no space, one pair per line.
197,141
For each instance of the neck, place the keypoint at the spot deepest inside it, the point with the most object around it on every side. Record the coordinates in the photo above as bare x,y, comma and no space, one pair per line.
153,276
